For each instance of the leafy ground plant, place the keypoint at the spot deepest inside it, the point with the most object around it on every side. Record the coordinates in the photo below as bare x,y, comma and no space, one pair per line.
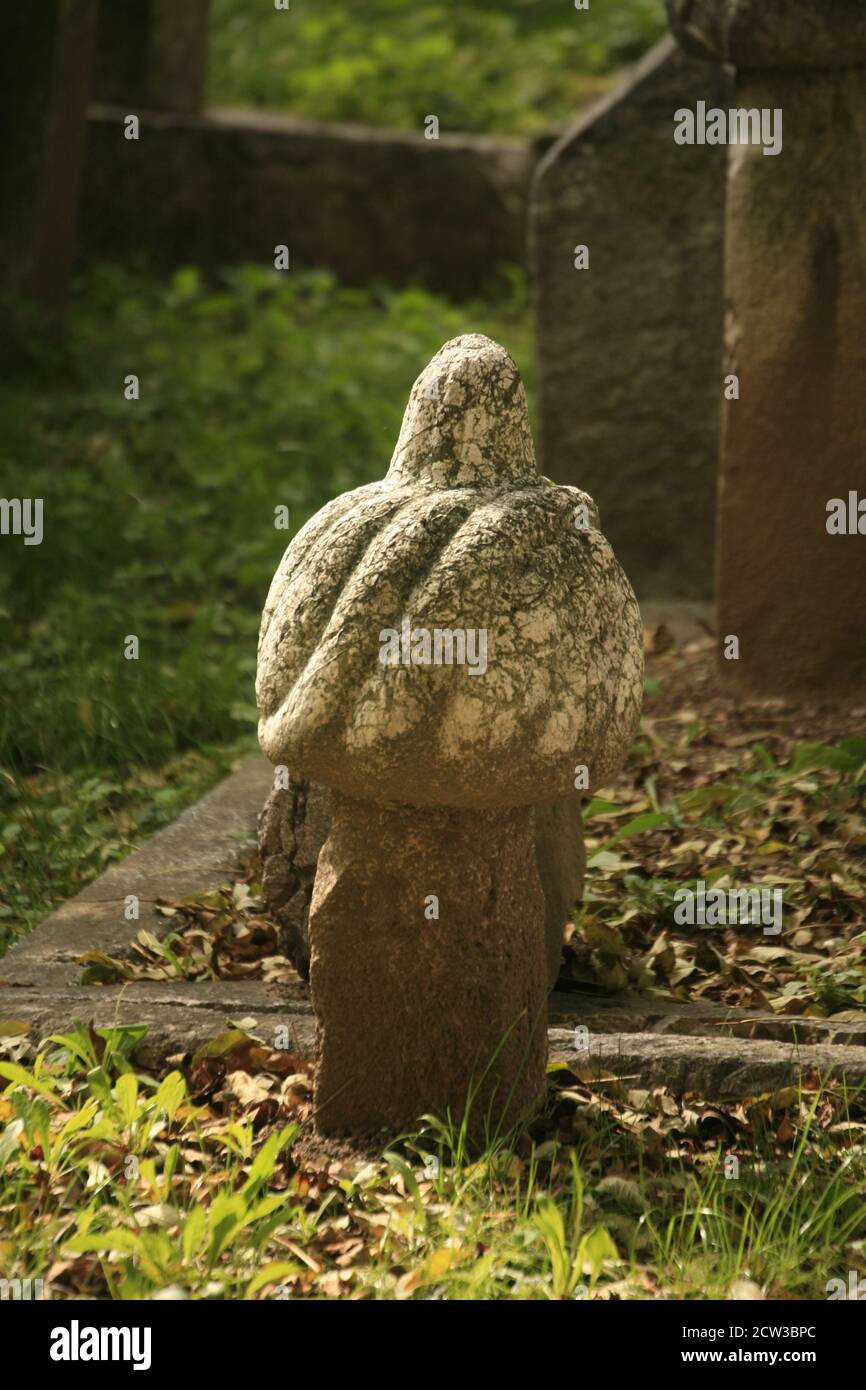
208,1183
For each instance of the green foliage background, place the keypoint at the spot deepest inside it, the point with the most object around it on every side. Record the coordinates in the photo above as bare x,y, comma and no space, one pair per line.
267,390
486,65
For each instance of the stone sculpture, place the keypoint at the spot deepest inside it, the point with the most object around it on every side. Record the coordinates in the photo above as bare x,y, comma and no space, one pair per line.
443,650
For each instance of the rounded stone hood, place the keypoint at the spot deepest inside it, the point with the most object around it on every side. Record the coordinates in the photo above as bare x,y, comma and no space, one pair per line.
450,636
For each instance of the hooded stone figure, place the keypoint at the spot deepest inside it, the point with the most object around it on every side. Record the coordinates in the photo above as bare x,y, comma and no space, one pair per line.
427,916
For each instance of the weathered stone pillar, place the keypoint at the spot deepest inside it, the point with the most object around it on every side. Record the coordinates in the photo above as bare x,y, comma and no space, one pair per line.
792,591
427,1014
629,347
46,53
152,54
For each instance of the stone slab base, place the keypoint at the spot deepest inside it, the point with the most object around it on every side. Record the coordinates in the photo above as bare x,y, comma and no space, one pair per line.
713,1067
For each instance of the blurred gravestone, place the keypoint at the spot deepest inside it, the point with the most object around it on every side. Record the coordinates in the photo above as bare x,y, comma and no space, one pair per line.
629,350
46,53
152,54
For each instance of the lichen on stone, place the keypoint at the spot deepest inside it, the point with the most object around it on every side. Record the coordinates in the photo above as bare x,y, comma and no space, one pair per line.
463,535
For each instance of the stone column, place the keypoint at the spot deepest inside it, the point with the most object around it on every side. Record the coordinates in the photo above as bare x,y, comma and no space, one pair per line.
791,590
46,53
153,54
294,825
418,1015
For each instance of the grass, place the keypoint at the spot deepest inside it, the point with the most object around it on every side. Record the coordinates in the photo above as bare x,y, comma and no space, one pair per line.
208,1182
61,829
261,393
514,66
119,1184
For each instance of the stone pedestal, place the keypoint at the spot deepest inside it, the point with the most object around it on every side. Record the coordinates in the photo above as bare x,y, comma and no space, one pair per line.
795,281
294,824
428,969
46,53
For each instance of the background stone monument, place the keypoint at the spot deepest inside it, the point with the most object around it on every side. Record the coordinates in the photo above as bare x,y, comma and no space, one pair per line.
629,350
